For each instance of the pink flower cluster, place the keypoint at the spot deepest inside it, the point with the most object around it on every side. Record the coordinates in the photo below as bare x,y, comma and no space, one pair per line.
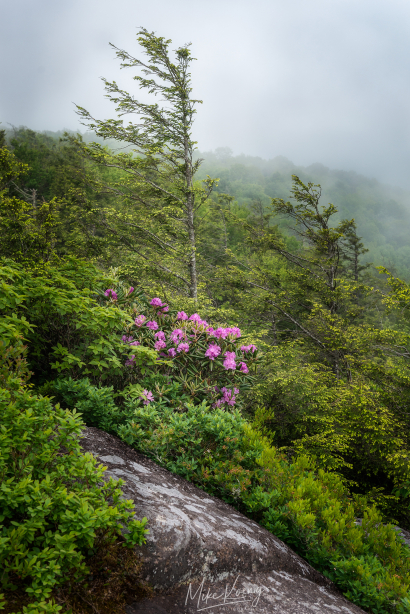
244,367
249,348
183,347
156,302
190,329
213,351
177,335
146,396
228,397
160,345
223,333
229,362
110,293
139,321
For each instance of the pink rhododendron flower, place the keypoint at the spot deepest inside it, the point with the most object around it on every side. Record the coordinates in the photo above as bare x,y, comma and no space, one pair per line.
172,352
177,335
220,333
160,345
139,321
195,317
244,367
147,396
131,290
156,302
210,330
165,309
126,339
111,293
235,332
181,315
152,325
135,343
213,351
160,335
229,362
183,347
228,397
249,348
130,362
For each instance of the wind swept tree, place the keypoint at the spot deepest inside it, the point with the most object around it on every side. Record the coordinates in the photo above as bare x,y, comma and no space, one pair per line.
156,214
308,293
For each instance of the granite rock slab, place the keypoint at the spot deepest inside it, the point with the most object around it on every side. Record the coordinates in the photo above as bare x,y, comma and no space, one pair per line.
203,555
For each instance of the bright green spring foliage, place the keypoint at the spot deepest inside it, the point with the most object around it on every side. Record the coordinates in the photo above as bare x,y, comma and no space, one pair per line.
27,227
57,311
347,427
54,505
312,512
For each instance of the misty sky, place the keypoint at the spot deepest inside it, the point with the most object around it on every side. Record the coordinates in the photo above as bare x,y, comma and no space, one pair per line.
316,81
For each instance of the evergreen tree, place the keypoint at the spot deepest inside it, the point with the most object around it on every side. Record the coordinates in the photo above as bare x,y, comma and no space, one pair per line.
158,200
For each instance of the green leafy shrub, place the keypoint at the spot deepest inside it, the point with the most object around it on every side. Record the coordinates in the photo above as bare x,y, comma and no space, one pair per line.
347,427
315,515
54,503
100,406
95,404
66,329
14,372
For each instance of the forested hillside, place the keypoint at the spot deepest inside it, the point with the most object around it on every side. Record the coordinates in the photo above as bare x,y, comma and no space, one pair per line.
221,316
382,213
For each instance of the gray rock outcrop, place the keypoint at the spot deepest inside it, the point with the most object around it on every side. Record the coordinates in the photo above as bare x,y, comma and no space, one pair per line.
203,555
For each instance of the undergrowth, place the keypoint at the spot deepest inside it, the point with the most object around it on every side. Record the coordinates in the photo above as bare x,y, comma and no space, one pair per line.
308,508
57,513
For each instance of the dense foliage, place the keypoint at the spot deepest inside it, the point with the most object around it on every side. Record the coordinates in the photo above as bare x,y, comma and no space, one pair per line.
240,339
55,507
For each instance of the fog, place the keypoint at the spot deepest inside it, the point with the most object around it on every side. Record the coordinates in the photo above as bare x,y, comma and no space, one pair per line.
320,81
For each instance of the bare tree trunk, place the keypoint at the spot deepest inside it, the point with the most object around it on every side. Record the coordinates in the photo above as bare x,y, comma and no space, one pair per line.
34,198
190,205
275,336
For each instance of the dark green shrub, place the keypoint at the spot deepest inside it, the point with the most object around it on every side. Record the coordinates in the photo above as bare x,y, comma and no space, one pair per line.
96,405
67,330
54,509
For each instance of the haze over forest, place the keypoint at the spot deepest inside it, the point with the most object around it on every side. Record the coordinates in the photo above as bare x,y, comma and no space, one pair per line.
319,82
381,212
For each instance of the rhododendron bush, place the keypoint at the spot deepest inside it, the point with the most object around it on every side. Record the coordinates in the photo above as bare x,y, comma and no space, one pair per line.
211,363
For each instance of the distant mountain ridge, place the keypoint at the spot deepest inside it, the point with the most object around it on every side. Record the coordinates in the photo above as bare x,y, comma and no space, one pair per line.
382,212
